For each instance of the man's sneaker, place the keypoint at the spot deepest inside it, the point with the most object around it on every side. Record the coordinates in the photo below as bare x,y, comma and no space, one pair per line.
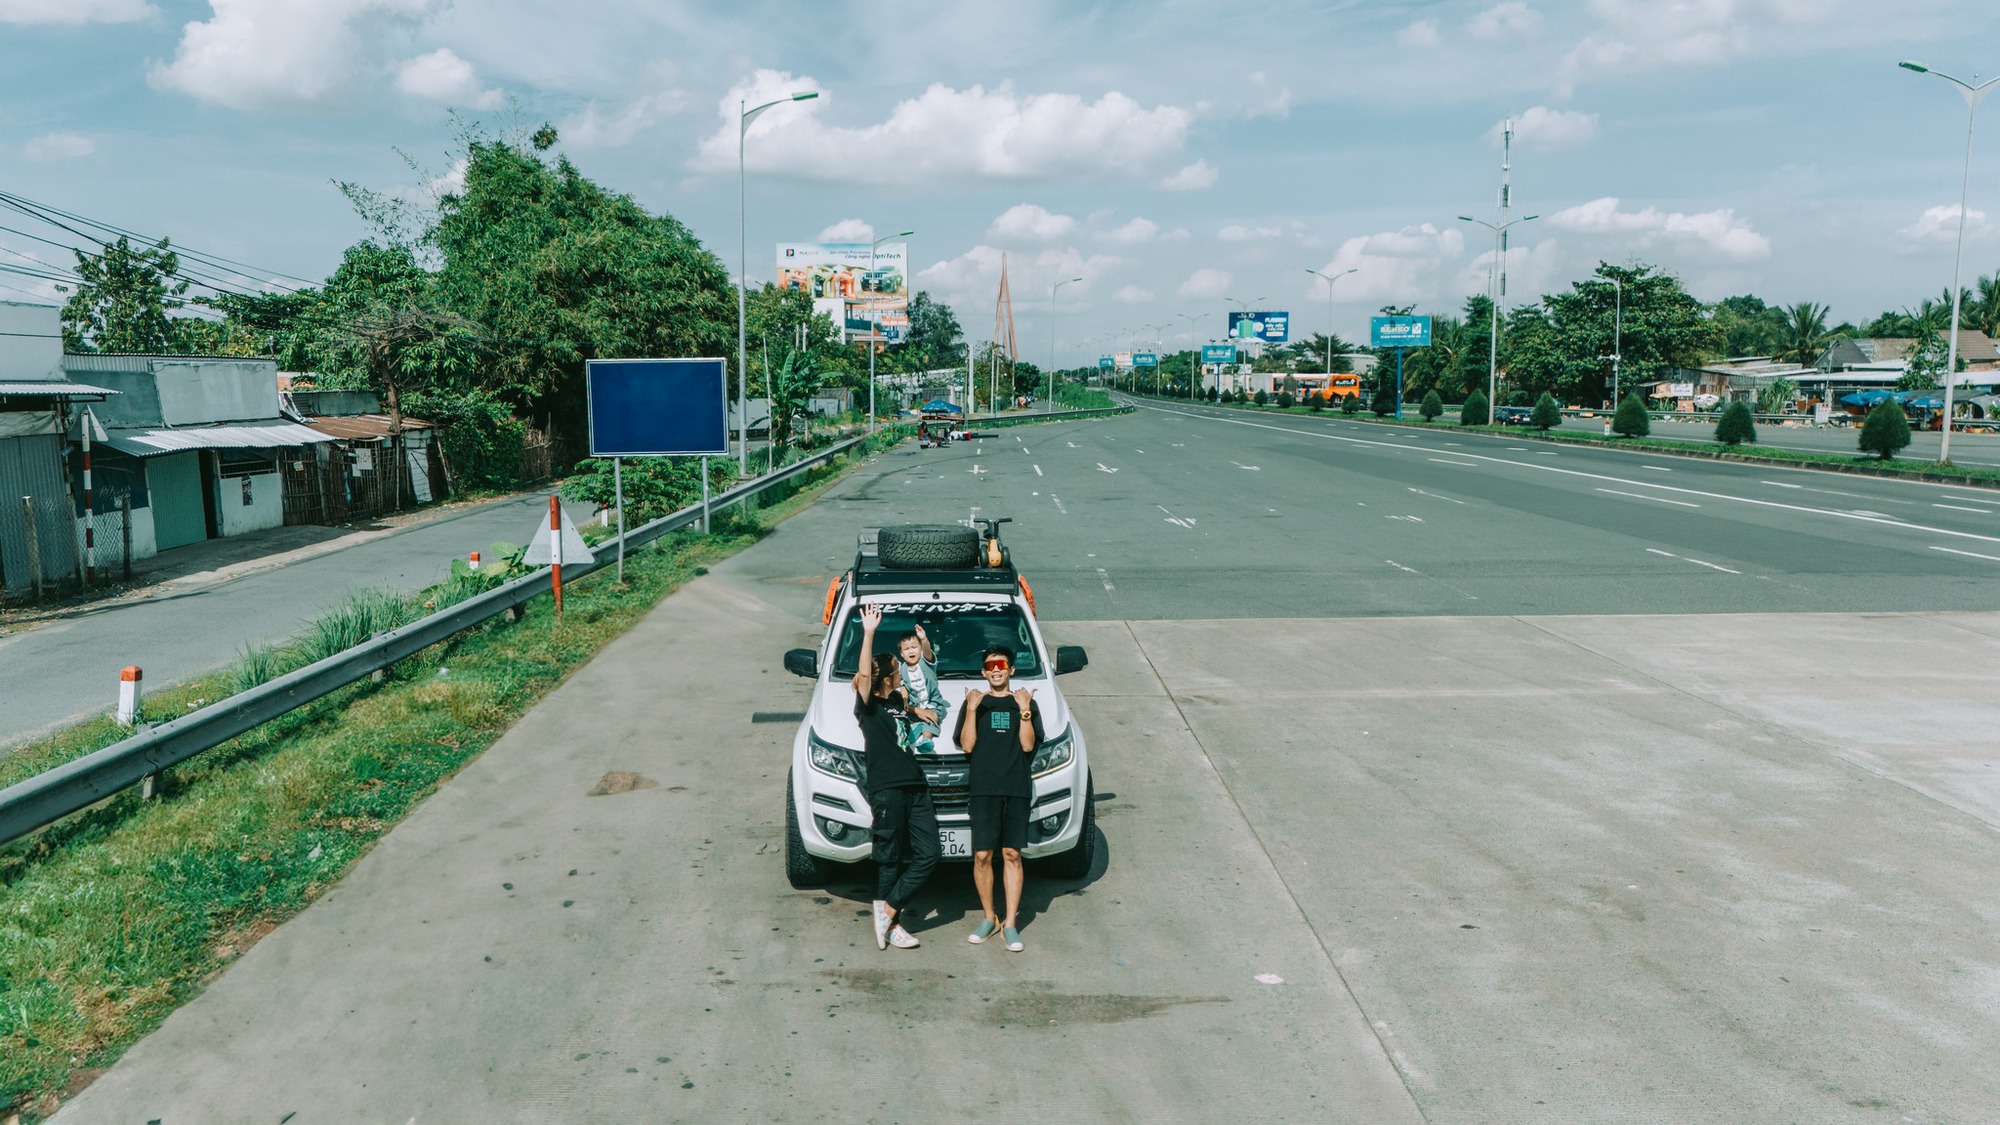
983,931
1013,937
902,938
881,924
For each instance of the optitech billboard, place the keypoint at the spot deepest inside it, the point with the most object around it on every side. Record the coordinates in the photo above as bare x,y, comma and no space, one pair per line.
1270,327
874,286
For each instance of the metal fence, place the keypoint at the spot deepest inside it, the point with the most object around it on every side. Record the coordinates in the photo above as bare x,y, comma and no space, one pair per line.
76,785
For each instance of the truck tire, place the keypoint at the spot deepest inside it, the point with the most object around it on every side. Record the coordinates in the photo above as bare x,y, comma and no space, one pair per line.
924,546
802,868
1077,862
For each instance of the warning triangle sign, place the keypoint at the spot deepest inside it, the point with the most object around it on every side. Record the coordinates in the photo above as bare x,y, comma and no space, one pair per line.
542,548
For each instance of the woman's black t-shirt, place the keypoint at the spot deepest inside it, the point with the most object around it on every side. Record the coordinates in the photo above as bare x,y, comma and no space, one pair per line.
889,766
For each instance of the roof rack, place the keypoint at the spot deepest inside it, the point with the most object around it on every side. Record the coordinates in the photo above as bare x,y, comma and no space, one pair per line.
871,576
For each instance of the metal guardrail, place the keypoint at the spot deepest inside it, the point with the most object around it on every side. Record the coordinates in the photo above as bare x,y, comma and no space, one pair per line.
82,782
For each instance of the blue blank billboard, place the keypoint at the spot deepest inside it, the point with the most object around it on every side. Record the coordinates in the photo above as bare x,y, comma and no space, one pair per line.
657,407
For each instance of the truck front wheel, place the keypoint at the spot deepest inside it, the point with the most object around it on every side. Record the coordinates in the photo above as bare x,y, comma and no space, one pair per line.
1077,862
802,868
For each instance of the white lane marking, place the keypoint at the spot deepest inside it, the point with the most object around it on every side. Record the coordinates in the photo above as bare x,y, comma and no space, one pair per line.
1421,492
1641,496
1407,519
1138,451
1460,464
1401,567
1071,444
1102,469
1837,492
1780,484
1697,562
1180,522
1515,448
1038,470
1241,465
1657,468
1973,499
1439,581
1969,554
975,470
1059,506
1106,579
1179,445
1871,515
1546,453
1957,508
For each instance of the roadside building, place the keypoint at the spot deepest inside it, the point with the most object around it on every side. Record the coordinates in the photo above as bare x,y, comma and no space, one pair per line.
366,468
41,518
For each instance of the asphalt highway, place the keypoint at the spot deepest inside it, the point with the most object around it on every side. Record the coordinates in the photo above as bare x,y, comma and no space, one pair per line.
1980,449
1433,786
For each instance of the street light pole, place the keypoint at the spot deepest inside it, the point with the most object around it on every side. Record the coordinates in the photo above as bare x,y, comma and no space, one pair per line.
743,119
1973,95
1329,315
875,331
1053,289
1497,291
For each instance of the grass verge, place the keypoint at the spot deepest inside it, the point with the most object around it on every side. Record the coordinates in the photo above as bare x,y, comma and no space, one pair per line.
111,919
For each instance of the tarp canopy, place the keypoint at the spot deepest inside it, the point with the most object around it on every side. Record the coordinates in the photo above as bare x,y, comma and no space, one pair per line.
1866,398
152,442
940,406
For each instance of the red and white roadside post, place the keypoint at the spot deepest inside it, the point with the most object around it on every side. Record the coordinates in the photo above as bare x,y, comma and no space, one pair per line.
128,695
555,550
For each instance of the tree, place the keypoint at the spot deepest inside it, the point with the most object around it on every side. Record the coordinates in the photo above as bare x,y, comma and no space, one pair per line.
1548,413
1886,431
1805,336
1433,405
124,299
1748,325
1259,398
1736,426
794,378
1384,402
1476,411
1349,404
1556,346
1631,419
934,337
1777,396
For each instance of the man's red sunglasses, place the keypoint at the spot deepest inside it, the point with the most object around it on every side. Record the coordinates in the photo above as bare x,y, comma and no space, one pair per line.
998,664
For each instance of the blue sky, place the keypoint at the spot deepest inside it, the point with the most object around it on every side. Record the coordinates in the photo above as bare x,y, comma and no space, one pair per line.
1174,155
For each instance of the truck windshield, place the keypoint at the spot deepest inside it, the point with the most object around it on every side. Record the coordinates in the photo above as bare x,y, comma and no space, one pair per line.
960,632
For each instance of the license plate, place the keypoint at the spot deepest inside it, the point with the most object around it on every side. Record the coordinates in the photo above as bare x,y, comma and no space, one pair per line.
956,842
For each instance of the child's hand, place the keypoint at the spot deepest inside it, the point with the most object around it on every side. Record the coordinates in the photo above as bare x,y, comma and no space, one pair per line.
925,713
921,635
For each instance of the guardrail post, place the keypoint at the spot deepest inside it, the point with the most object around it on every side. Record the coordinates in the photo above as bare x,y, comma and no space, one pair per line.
128,695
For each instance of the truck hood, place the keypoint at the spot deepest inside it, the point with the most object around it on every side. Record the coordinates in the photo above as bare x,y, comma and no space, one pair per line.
832,716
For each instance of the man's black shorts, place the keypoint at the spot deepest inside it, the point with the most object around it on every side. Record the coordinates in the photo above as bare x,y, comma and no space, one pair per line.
998,822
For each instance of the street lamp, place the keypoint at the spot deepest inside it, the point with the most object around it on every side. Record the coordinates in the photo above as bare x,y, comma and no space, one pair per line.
1329,313
743,120
1497,292
1194,357
1973,95
875,333
1053,289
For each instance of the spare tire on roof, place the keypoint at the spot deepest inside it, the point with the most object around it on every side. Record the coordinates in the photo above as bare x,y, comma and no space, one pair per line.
927,546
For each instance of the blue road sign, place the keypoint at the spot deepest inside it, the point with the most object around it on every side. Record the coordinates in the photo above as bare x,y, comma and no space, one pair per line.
1218,353
1145,359
1399,331
1107,361
657,407
1270,327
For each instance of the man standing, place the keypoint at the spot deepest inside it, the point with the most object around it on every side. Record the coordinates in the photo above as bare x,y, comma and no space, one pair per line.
905,823
999,729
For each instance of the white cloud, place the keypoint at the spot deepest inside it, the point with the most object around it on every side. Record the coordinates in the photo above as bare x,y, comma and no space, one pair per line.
443,77
1531,271
50,148
1239,233
254,54
848,230
595,127
1719,232
1544,128
451,183
945,133
1201,174
1421,35
1645,34
1510,19
1399,265
74,11
973,278
1206,282
1136,231
1940,224
1267,100
1028,222
1133,295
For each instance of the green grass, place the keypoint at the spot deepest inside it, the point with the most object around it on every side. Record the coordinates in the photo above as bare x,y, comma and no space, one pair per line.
112,918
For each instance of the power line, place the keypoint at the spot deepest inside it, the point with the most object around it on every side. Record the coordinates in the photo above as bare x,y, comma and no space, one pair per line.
216,260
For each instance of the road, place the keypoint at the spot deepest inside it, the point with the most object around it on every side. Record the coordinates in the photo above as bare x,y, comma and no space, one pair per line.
67,670
1966,449
1385,838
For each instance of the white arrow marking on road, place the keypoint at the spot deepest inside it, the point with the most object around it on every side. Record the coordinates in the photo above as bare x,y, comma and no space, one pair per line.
1241,465
1038,470
1697,562
1106,579
1179,522
1421,492
1059,507
1102,469
975,470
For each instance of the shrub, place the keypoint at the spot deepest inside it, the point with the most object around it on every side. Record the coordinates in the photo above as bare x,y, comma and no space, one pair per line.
1349,404
1886,431
1316,403
1736,426
1475,412
1384,402
1548,413
1631,419
480,436
1286,401
1260,398
1433,405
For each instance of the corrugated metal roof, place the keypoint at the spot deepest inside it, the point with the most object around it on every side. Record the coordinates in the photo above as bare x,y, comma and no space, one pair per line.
53,388
152,442
362,427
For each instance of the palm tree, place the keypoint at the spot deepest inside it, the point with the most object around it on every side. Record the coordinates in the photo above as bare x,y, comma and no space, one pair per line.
1805,336
1983,311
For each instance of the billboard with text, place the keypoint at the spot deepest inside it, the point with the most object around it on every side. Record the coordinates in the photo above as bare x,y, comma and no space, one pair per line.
1399,332
874,285
1269,327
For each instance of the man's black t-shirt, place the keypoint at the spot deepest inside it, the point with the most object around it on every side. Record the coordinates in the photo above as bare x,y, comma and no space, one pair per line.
889,765
999,766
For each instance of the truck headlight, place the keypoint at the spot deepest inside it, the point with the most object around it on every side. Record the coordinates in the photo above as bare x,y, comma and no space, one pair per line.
829,758
1053,755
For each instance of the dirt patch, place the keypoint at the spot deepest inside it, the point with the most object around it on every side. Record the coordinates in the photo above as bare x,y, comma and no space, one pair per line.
619,781
1029,1004
235,943
1059,1008
82,1079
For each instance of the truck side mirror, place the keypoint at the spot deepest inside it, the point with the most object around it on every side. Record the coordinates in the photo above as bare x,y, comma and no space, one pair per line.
803,662
1071,658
